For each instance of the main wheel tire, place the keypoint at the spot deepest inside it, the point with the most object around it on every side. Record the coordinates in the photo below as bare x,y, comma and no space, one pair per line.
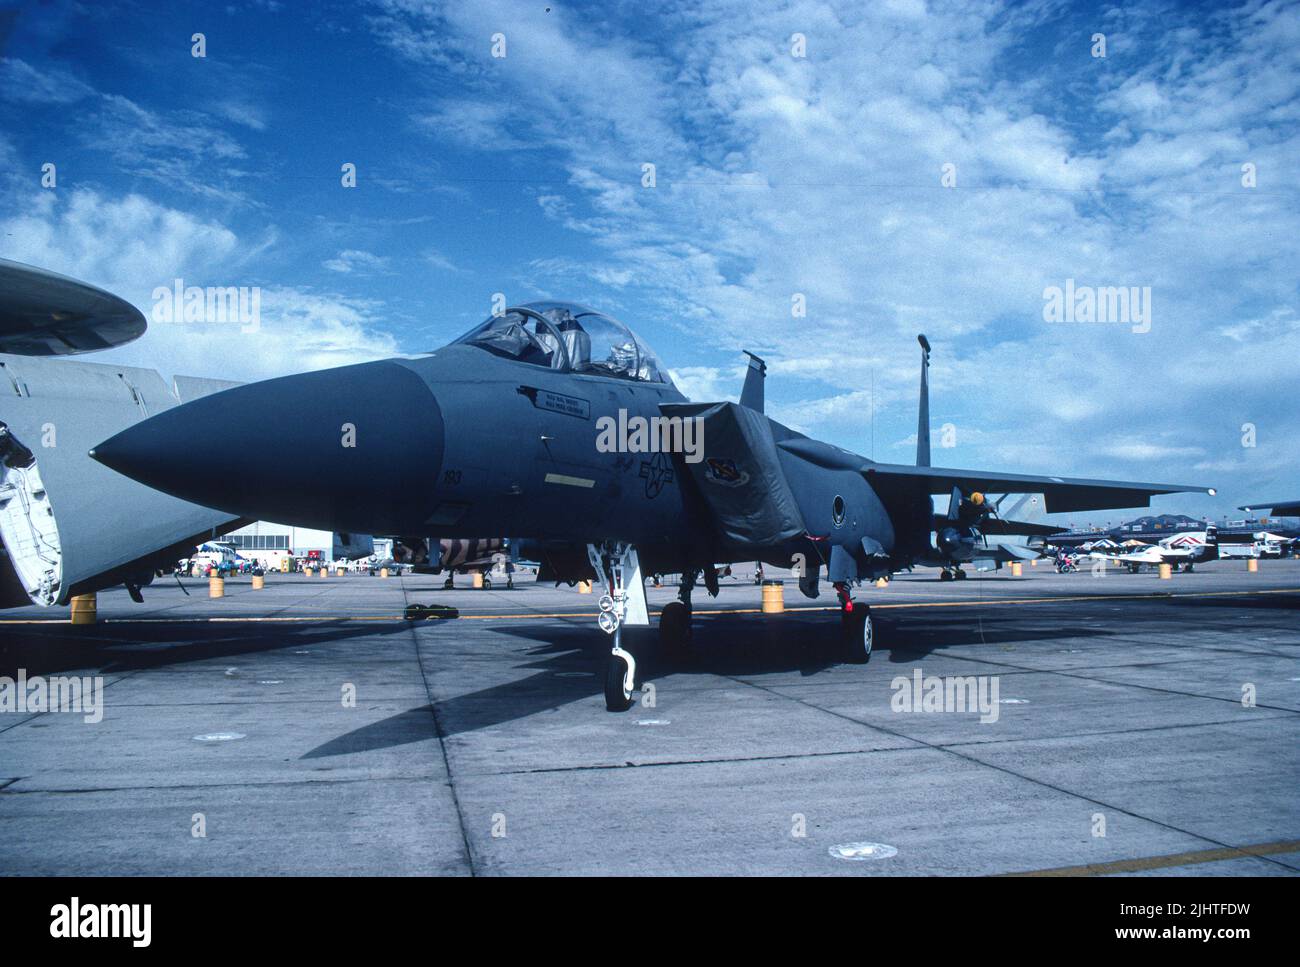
858,633
945,575
959,575
675,630
617,698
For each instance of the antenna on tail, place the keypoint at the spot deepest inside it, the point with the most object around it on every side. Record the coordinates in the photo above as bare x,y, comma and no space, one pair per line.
923,413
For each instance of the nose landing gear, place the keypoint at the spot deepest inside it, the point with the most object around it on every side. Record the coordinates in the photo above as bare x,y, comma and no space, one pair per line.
623,603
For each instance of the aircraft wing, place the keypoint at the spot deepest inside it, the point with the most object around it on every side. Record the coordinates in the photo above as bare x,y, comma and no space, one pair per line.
1278,508
43,313
1060,493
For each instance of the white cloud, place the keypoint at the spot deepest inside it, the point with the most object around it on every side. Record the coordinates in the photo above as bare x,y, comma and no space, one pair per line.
132,245
19,81
356,260
821,176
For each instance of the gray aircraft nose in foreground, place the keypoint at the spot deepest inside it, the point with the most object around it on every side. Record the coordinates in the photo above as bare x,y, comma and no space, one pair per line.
332,447
533,424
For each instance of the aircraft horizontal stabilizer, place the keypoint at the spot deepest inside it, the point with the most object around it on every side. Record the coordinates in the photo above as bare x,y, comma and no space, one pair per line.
1000,527
1019,553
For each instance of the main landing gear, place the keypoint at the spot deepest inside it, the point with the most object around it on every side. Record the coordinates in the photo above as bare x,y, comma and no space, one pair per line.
622,603
952,573
856,629
675,621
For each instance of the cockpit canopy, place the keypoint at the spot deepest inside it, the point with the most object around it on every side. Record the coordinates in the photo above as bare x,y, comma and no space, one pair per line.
570,338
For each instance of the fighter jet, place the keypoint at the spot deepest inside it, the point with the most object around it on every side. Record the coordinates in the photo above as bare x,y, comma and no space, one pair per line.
556,423
67,525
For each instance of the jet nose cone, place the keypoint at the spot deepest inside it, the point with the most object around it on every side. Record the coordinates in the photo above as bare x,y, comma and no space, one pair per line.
352,449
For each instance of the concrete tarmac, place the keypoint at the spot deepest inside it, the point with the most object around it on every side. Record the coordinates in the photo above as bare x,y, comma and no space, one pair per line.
1141,727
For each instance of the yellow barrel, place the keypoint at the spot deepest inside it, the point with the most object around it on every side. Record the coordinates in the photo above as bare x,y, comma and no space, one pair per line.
341,571
284,565
1017,569
216,587
383,572
1166,572
882,582
84,609
478,580
1252,565
259,582
773,597
324,571
584,587
1034,563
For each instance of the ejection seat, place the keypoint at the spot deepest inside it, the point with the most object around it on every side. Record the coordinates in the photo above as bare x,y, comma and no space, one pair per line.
578,346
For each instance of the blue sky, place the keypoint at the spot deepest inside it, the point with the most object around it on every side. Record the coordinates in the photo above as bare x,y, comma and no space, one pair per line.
776,175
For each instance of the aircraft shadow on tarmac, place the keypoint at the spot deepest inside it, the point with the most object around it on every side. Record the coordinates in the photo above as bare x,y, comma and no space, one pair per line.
729,646
413,725
736,645
118,650
1263,602
725,645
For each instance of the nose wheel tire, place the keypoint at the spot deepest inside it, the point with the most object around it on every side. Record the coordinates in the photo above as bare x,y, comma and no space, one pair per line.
858,633
618,697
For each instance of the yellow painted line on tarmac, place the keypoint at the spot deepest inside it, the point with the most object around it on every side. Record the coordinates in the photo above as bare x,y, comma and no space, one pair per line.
1171,860
1154,596
991,602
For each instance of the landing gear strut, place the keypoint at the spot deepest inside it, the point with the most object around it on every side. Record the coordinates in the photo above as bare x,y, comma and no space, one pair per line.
675,621
856,628
617,567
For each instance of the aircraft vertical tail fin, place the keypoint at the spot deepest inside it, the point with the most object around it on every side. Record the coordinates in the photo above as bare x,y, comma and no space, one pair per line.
752,393
1030,508
923,414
